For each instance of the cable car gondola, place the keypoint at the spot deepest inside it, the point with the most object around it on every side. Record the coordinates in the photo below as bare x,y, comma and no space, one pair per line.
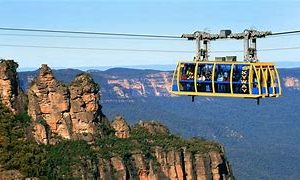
226,77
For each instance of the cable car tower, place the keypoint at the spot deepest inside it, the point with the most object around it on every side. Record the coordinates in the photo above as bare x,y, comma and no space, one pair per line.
225,76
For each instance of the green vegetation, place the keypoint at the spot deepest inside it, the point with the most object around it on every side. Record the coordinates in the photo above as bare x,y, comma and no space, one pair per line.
141,140
16,151
34,160
74,158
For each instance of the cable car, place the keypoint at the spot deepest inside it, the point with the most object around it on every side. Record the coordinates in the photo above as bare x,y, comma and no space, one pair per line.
226,77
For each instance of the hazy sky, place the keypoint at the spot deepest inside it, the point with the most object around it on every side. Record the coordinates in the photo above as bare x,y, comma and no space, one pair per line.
144,17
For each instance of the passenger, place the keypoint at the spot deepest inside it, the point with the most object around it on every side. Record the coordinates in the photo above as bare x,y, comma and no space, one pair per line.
225,76
203,78
208,76
220,79
190,75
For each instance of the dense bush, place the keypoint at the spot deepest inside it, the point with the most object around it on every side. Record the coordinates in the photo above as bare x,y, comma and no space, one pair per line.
73,158
34,160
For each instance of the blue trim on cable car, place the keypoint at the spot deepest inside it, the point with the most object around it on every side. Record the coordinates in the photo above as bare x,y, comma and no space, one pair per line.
270,90
174,88
264,90
220,82
277,90
255,91
200,81
187,81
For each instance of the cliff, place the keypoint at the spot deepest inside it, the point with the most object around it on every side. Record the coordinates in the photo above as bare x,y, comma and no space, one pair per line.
82,143
10,93
177,159
292,82
66,111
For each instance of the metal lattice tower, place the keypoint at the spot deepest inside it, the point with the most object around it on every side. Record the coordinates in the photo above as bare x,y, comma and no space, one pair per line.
249,35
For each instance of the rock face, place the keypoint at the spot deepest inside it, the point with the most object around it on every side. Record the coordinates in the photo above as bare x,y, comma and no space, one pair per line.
84,105
154,127
121,127
10,93
153,84
67,111
292,82
171,164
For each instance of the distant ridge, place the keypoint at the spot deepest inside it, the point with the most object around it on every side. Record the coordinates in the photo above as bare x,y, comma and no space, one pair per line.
164,67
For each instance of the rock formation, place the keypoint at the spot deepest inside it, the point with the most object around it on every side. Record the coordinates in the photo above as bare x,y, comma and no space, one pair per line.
121,127
84,105
292,82
172,164
154,127
10,93
67,111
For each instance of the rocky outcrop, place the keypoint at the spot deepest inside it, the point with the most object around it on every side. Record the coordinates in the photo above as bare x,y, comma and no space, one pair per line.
154,127
48,103
10,174
292,82
10,94
152,84
67,111
84,105
121,127
172,165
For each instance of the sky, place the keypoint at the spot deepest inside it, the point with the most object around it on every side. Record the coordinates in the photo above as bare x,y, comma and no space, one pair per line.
170,17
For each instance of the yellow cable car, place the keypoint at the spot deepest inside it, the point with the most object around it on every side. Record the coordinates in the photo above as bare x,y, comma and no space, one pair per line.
226,77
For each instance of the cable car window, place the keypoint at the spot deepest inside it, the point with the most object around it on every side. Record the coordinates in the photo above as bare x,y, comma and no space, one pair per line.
204,75
186,80
240,80
222,78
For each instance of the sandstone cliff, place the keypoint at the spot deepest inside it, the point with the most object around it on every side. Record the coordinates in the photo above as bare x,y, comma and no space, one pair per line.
292,82
166,161
70,111
10,93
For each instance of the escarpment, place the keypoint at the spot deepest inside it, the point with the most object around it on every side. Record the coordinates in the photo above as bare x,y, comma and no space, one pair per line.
69,120
69,111
165,157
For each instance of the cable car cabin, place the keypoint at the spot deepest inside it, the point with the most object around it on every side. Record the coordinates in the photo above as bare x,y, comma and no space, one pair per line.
226,79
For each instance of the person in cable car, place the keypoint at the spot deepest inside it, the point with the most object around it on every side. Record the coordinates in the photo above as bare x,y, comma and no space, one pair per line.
200,85
220,80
